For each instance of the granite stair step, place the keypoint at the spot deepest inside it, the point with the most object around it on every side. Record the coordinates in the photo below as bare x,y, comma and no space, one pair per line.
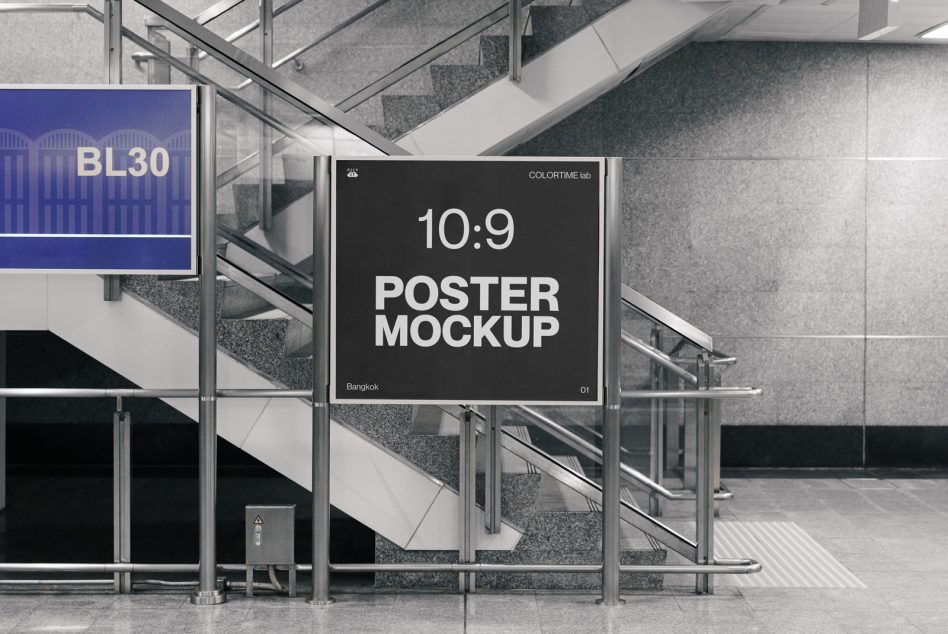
452,83
550,538
388,133
258,343
495,50
597,8
247,204
553,24
298,342
405,112
440,420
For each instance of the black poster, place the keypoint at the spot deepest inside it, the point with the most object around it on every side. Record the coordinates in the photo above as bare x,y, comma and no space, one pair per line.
467,280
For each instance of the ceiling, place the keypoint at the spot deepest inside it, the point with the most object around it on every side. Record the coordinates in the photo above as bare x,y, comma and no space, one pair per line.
819,20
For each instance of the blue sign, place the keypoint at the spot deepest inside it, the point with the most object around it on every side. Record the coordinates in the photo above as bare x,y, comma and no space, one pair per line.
98,179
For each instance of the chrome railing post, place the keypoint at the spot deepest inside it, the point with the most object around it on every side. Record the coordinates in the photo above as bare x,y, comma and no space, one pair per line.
265,198
321,471
514,51
3,421
716,445
159,72
122,494
467,485
656,426
112,32
208,591
493,470
704,512
612,395
194,61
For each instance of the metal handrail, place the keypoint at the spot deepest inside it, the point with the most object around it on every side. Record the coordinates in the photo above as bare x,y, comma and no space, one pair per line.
628,473
264,291
322,38
658,357
140,57
715,393
658,314
266,77
48,7
216,10
83,392
224,92
266,256
720,566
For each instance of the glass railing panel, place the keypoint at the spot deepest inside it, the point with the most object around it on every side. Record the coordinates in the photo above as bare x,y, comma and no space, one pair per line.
253,133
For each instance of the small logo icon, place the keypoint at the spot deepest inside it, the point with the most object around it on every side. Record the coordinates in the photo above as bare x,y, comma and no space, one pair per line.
352,172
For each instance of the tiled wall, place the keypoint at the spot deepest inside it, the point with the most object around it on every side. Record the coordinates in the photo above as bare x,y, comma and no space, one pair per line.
792,199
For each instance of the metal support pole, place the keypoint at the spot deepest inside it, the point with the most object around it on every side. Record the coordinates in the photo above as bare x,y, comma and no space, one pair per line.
466,483
493,470
321,422
612,397
657,428
265,198
704,513
3,421
514,53
716,444
112,31
122,494
208,591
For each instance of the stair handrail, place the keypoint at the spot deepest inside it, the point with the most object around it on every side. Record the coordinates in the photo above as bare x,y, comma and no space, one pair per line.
266,256
250,27
658,357
586,448
223,91
264,291
659,314
216,10
264,76
292,55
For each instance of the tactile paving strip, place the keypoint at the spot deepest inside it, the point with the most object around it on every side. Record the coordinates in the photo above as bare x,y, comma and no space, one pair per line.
790,557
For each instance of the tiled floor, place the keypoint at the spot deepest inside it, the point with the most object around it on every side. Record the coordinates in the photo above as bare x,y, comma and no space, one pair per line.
889,532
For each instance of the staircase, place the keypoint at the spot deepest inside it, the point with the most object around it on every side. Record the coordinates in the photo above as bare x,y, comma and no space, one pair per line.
394,469
451,83
576,54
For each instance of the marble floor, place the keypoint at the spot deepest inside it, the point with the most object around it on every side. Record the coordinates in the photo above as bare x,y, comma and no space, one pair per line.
887,529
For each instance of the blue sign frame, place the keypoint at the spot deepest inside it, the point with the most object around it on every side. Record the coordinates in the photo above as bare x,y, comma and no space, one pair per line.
98,179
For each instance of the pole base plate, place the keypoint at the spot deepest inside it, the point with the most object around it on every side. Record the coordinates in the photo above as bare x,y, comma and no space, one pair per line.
610,604
208,597
322,603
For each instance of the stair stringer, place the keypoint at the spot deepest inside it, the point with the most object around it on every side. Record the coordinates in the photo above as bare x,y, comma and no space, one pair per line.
562,80
374,486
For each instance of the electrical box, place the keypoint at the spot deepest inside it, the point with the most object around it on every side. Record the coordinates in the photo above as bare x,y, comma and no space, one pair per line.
270,531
